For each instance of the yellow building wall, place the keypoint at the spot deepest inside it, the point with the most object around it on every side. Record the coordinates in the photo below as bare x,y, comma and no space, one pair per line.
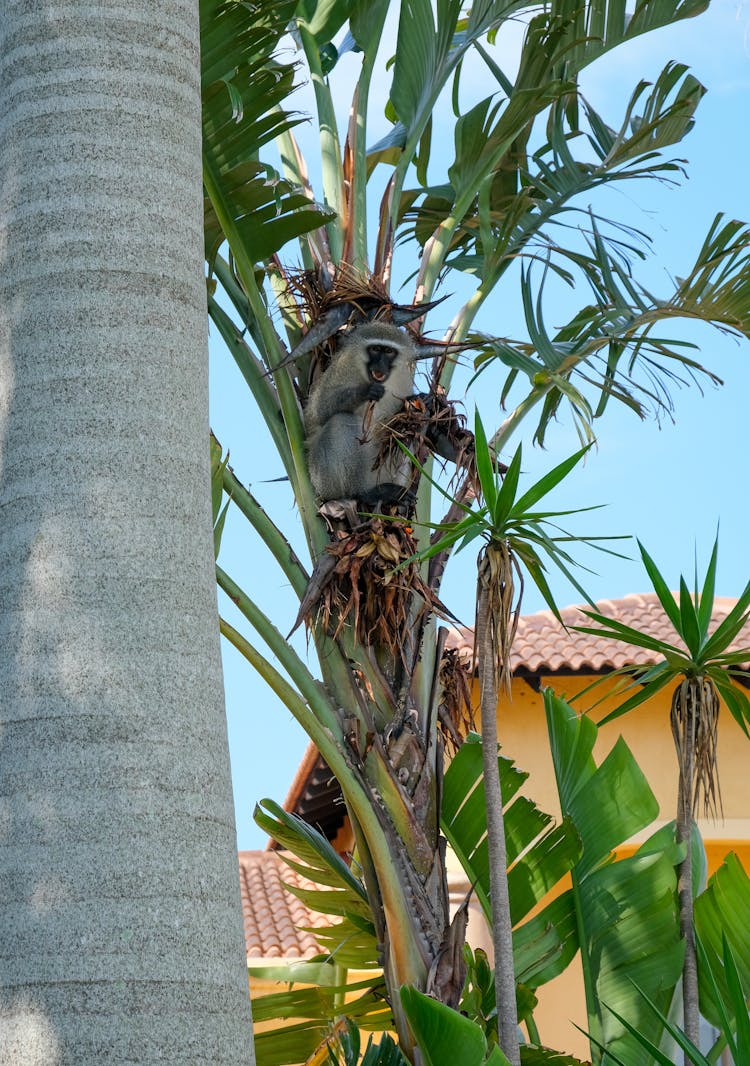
522,732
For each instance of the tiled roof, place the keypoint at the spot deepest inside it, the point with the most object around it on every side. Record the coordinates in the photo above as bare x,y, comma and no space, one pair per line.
272,915
542,646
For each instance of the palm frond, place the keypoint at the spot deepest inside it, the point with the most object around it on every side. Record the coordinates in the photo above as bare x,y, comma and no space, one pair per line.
243,89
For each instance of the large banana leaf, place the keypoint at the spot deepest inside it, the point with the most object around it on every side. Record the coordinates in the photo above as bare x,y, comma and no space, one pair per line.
625,911
243,90
722,912
446,1036
622,914
540,853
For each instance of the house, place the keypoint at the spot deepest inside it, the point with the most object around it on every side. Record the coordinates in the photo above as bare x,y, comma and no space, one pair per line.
544,654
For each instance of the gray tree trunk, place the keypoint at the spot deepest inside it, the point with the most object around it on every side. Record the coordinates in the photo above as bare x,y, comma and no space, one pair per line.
120,926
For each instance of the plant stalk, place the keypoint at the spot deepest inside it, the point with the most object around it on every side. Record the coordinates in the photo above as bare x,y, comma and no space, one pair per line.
502,936
685,708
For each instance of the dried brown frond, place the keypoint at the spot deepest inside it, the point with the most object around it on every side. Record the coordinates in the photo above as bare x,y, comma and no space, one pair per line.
497,573
455,712
695,721
317,294
370,589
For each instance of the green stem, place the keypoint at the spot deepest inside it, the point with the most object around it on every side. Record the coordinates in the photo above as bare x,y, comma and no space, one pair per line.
336,668
514,419
330,149
311,690
274,350
269,532
293,169
288,695
359,174
254,374
533,1031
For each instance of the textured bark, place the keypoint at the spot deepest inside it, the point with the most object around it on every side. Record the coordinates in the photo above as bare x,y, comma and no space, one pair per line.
120,931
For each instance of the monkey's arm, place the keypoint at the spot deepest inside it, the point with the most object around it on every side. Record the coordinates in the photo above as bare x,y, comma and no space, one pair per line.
343,400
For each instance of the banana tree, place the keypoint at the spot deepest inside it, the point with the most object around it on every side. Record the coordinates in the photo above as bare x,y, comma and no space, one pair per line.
374,714
619,916
699,666
722,914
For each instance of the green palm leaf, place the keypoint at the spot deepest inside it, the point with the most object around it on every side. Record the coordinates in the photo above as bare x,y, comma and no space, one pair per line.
314,1012
351,942
243,90
539,852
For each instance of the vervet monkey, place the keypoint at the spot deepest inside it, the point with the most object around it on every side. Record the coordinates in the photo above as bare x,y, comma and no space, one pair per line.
373,365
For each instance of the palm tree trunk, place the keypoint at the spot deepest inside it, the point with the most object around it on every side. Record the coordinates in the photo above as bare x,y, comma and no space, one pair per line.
119,907
502,937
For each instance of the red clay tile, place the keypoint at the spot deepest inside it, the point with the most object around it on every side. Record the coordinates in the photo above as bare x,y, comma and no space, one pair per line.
272,915
543,646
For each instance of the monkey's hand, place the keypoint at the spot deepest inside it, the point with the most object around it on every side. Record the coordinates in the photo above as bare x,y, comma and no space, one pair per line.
375,390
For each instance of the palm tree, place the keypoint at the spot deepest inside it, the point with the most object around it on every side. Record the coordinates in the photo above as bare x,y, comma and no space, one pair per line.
368,604
700,665
120,904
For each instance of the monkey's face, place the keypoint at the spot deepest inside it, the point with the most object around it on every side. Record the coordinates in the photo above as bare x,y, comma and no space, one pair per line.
380,360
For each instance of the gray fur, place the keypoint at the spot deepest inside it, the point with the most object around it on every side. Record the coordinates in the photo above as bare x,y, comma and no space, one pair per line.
342,449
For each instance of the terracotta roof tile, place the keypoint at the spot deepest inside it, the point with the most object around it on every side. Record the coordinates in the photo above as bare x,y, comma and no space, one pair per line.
543,646
273,916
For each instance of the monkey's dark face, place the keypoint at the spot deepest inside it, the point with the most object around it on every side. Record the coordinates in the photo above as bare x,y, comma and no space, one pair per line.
380,360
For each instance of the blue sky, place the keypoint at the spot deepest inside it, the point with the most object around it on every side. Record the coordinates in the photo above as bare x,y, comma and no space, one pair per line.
668,484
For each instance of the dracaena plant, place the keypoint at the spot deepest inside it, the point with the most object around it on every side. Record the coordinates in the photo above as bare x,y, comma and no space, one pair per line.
699,665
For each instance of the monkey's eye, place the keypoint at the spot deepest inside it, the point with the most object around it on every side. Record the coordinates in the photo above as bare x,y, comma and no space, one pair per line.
382,350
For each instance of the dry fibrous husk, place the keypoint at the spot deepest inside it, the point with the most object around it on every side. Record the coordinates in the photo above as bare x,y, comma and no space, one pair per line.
695,721
455,712
368,586
316,294
497,573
